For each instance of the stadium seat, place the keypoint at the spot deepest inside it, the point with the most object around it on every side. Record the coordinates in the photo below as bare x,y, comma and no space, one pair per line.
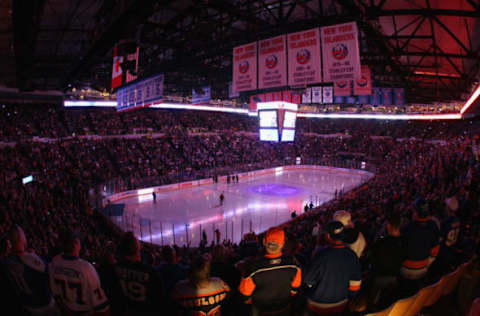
436,293
401,307
420,300
382,312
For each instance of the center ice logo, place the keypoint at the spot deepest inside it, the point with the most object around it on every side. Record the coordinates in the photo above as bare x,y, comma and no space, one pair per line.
340,51
271,61
341,84
303,56
243,67
362,82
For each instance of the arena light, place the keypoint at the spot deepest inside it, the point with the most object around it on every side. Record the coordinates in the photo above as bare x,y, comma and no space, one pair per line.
27,179
454,116
435,74
198,108
90,103
470,101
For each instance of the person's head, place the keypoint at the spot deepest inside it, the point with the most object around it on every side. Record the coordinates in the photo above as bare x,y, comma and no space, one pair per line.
5,246
274,240
394,222
130,247
218,253
17,239
343,217
422,211
169,255
334,231
70,243
199,271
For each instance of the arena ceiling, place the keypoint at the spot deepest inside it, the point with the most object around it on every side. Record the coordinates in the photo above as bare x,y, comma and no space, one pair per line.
430,47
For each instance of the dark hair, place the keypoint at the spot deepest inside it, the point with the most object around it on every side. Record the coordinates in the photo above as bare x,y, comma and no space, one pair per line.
67,239
394,220
199,270
128,245
168,254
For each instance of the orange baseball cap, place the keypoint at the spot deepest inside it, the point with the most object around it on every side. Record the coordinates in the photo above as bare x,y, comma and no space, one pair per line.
275,235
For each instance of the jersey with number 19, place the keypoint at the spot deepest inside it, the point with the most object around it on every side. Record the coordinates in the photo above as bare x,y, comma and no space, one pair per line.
75,284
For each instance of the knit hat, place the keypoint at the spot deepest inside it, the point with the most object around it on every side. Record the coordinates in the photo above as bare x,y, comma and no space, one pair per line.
275,235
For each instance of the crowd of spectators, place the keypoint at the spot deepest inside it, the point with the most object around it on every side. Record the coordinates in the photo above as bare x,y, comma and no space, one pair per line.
432,187
22,122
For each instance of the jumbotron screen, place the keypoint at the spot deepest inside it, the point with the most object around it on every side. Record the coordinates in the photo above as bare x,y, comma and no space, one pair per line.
269,135
268,118
288,135
290,118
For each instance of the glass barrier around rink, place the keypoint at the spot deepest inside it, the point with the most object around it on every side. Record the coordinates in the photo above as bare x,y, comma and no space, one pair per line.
226,228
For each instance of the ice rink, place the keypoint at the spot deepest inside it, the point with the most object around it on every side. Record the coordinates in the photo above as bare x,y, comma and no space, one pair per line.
253,204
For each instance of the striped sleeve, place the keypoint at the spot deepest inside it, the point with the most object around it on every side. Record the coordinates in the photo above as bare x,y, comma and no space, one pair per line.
296,282
355,278
246,287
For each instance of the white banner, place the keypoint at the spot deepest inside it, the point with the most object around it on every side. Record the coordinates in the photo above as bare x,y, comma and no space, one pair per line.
364,85
304,64
316,94
272,62
327,95
307,96
245,67
341,55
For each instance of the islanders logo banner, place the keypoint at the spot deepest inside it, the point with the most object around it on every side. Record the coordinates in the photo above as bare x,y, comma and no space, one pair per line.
342,88
364,85
304,64
245,67
272,62
341,55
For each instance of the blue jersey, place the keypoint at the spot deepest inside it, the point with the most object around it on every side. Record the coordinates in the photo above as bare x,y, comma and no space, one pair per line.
333,276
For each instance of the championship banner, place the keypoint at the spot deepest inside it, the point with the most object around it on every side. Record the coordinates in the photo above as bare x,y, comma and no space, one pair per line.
342,88
307,96
387,96
272,59
327,95
201,95
341,54
304,64
339,100
364,99
117,69
296,97
133,58
351,100
277,96
245,67
287,96
268,97
231,93
377,96
399,96
317,95
364,85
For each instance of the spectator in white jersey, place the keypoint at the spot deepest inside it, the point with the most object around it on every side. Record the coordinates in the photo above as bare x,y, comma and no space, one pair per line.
75,283
140,288
354,238
27,279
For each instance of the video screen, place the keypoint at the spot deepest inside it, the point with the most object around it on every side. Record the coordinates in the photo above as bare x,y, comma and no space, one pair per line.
290,118
268,118
269,135
288,135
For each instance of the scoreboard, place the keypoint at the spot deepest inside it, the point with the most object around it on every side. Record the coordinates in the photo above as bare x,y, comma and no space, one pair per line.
139,94
277,121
